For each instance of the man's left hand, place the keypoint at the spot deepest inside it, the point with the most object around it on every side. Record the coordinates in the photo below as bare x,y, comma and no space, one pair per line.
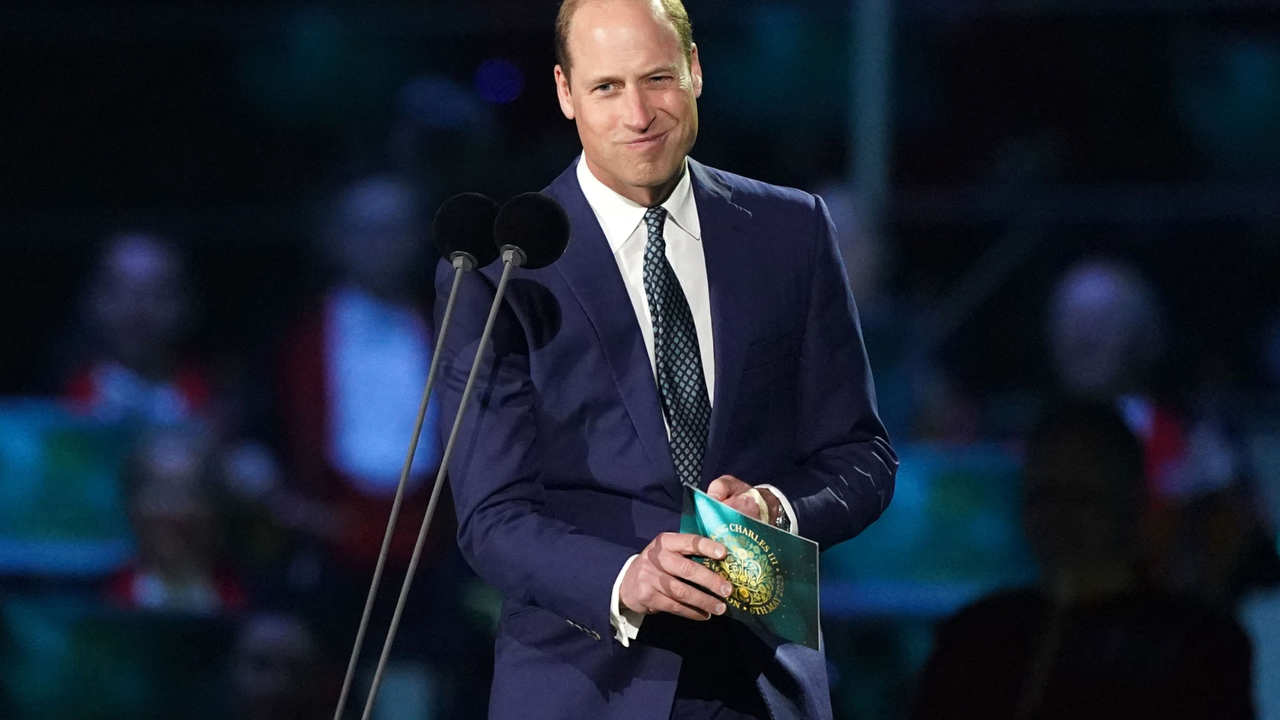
733,492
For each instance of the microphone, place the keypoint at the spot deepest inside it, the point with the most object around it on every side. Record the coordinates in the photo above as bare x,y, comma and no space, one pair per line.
535,227
464,228
463,232
532,231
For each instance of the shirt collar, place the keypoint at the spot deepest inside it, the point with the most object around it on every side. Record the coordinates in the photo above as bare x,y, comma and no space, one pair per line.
619,216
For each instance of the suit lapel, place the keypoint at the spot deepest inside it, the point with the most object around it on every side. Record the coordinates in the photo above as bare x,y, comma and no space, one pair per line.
592,274
722,226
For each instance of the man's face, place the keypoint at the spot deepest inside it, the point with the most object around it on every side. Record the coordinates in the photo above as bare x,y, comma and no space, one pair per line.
376,237
273,668
139,301
1101,333
632,94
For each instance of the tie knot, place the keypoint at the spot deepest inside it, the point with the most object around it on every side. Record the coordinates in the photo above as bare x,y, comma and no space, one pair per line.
654,217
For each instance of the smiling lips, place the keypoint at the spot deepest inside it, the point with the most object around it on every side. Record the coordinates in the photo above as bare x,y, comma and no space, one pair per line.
647,143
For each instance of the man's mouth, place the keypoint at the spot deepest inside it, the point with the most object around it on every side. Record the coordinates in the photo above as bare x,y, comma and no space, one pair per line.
647,143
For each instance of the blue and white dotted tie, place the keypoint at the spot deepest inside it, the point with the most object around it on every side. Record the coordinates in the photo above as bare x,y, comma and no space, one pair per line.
681,383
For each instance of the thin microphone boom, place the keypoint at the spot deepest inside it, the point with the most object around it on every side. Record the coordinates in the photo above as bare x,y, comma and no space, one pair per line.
532,231
459,269
509,261
463,229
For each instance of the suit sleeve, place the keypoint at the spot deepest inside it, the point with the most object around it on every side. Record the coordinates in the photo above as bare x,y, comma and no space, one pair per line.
504,530
846,476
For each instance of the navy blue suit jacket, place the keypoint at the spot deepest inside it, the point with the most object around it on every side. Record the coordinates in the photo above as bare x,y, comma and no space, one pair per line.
563,470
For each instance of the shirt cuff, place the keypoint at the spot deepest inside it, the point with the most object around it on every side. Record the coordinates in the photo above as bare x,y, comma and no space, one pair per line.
626,623
786,509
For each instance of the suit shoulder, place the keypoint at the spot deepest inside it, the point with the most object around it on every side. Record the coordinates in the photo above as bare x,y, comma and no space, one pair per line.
755,195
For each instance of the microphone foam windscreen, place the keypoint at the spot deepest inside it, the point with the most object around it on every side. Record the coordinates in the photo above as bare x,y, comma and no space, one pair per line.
535,223
464,223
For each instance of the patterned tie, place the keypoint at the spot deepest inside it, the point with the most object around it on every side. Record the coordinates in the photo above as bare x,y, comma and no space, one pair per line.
679,358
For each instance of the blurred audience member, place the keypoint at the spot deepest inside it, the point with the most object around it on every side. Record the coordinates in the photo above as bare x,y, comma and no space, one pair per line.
174,507
352,377
354,369
1095,638
1106,331
1107,334
135,314
275,670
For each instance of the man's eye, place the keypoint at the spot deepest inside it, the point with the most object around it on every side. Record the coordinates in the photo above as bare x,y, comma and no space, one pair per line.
604,87
661,78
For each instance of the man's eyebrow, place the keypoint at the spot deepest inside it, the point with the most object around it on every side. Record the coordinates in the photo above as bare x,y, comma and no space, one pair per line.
668,69
601,80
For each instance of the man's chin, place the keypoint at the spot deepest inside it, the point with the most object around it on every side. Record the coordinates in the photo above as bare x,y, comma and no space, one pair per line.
654,174
647,173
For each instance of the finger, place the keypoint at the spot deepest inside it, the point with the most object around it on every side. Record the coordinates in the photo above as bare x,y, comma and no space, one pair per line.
725,486
746,505
690,596
665,604
708,548
689,571
689,544
718,489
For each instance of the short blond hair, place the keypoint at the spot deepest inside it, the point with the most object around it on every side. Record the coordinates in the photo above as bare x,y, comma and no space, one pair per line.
674,10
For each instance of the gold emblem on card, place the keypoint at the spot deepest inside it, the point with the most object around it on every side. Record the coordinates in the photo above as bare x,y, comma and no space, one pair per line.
751,567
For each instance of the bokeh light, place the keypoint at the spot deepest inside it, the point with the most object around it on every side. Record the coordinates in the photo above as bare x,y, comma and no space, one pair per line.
499,81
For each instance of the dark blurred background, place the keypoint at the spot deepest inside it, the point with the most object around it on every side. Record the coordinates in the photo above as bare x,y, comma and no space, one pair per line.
1059,218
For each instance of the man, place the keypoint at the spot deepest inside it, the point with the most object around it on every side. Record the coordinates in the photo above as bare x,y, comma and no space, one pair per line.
136,311
699,329
346,368
1106,335
178,521
349,363
273,668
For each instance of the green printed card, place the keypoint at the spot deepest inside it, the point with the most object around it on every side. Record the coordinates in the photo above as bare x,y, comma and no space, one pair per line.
774,573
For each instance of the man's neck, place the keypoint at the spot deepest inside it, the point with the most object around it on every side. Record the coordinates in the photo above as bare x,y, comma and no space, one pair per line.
641,195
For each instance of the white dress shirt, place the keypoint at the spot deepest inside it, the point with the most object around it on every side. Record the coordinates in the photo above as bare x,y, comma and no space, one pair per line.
623,224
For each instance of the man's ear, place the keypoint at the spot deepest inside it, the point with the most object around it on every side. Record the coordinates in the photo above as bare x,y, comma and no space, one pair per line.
563,94
695,68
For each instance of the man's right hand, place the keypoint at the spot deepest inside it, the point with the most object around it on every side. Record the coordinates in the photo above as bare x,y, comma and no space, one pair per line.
659,579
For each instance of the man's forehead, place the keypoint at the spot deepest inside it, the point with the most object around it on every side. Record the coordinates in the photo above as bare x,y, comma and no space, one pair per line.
621,26
639,8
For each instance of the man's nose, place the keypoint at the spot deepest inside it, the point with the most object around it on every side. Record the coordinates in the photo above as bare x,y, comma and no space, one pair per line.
638,115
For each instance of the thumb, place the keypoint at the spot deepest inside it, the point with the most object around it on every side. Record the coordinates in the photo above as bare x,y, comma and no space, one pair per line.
745,504
718,489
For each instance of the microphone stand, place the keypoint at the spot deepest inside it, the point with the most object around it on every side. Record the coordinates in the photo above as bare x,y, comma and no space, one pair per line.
462,262
512,257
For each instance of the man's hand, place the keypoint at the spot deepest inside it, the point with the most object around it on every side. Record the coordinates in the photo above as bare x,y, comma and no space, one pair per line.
659,578
733,492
